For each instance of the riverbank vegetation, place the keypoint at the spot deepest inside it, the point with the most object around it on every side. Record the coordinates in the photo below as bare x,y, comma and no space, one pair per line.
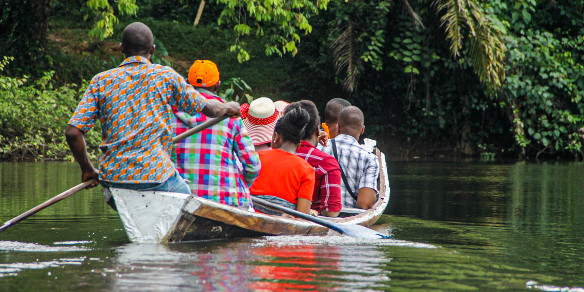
466,78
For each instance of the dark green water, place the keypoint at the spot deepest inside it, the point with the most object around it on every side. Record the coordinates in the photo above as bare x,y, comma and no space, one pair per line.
456,227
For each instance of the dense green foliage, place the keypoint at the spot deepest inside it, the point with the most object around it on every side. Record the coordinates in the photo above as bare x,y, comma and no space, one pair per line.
399,63
33,117
433,77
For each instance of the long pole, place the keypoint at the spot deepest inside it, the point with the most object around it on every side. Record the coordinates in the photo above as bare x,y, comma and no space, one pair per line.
84,185
47,203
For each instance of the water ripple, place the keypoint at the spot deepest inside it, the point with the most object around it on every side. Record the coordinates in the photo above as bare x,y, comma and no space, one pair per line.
33,247
337,240
13,269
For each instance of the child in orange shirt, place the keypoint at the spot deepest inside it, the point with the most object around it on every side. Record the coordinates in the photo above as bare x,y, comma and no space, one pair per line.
283,174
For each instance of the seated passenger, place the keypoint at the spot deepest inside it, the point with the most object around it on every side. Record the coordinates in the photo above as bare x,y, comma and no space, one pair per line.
331,116
260,118
326,198
285,178
360,166
208,160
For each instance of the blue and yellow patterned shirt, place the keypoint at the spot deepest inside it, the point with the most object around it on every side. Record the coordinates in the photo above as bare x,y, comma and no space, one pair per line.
133,103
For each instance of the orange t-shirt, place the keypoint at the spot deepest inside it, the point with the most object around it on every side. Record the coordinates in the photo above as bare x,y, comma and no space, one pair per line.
284,175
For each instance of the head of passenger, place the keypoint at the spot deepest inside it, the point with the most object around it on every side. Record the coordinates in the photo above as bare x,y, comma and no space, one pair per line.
137,40
290,129
259,118
351,122
331,115
204,74
312,127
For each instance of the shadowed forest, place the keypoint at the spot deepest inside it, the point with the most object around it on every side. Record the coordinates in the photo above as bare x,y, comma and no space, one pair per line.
436,78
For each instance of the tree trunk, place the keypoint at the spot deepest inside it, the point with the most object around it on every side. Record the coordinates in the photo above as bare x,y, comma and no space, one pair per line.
200,12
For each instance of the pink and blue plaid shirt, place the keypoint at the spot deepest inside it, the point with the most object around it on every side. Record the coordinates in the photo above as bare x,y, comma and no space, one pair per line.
219,163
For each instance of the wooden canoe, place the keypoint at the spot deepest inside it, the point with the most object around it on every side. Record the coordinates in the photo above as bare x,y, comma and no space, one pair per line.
172,217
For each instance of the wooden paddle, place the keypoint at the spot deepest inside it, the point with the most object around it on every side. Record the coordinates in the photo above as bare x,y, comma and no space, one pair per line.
81,186
352,230
47,203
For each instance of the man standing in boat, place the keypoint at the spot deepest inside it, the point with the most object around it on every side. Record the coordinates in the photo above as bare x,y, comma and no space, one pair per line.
209,161
133,103
359,167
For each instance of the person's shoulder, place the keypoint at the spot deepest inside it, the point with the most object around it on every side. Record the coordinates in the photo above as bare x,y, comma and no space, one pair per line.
306,167
162,69
325,157
325,149
106,74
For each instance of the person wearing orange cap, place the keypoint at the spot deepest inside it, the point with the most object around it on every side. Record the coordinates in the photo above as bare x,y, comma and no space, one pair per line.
209,161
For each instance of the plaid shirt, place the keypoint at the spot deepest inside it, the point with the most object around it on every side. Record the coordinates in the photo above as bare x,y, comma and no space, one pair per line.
133,103
327,186
360,166
210,161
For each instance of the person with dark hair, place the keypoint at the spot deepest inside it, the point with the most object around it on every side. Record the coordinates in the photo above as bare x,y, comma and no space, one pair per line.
331,116
285,178
133,103
210,161
360,167
326,198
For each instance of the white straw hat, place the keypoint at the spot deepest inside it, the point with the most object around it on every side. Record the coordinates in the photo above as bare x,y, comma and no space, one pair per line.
260,118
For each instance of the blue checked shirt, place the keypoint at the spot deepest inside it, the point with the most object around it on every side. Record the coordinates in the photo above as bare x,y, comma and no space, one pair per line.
359,165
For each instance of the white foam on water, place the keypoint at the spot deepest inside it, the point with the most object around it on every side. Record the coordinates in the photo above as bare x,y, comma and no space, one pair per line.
336,240
33,247
12,269
72,242
550,288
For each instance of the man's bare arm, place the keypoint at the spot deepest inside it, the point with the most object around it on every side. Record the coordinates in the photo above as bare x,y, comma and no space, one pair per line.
329,214
366,198
76,143
215,108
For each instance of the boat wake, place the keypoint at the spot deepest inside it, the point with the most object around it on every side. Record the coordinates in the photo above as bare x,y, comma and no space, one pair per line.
12,269
335,240
535,285
33,247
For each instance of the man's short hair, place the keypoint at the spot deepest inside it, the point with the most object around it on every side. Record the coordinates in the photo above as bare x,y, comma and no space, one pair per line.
333,108
351,117
137,39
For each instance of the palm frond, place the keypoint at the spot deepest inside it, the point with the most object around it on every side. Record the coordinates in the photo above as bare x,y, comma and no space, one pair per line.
346,55
416,18
486,49
455,16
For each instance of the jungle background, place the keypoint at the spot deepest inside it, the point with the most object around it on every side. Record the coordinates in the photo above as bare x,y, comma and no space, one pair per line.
435,78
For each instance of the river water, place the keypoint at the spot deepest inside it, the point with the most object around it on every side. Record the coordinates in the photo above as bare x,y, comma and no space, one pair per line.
456,226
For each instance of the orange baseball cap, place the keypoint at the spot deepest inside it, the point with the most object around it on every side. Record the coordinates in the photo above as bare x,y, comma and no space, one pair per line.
203,73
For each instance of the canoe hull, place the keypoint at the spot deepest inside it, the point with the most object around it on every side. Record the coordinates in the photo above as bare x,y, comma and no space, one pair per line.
171,217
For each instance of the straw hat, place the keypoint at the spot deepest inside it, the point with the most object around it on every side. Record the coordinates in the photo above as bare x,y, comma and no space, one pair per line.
280,106
260,119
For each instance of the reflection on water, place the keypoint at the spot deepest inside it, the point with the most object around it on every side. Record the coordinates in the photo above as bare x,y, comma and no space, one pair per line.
455,227
261,264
